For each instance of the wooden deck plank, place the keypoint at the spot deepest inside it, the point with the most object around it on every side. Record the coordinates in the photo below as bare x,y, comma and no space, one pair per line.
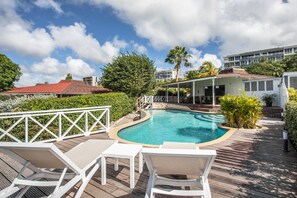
249,164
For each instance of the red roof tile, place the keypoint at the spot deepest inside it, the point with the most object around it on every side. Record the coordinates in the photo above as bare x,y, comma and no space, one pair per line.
64,87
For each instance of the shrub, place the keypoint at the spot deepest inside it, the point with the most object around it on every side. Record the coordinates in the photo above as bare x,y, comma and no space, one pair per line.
120,102
292,94
171,92
291,121
241,111
9,104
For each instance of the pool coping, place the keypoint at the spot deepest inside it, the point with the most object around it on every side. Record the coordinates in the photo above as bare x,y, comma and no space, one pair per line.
113,134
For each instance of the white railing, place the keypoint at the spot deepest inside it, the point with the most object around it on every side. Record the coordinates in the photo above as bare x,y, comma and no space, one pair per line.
159,98
53,125
148,99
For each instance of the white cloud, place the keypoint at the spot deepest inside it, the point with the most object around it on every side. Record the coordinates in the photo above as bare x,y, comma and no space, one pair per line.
19,36
141,49
167,23
253,24
197,59
49,4
85,45
51,70
239,25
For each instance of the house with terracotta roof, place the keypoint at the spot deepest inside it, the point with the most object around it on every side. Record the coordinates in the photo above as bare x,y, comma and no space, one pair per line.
61,89
230,81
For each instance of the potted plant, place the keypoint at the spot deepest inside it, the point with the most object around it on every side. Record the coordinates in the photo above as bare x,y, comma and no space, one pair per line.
268,99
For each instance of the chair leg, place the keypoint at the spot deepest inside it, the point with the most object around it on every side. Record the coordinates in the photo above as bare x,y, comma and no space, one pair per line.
206,189
151,183
6,192
85,180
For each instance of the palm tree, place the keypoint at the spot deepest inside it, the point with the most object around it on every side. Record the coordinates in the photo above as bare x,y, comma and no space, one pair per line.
178,55
208,69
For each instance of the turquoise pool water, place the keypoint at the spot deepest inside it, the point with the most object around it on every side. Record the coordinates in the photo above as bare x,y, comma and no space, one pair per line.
175,126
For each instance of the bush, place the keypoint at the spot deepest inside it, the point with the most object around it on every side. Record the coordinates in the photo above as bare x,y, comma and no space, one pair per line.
171,92
9,104
292,94
120,102
291,121
241,111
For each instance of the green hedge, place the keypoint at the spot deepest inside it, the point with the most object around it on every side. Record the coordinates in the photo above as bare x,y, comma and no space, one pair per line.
171,92
241,111
120,102
291,121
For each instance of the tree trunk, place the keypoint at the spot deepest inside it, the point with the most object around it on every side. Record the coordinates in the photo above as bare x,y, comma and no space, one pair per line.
177,69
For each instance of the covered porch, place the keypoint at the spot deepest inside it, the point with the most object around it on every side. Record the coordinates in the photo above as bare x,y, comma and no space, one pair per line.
203,91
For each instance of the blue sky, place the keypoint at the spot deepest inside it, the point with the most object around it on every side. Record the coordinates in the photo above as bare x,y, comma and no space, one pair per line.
49,38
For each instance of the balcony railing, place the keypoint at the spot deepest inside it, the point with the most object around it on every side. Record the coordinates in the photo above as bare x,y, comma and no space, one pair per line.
53,125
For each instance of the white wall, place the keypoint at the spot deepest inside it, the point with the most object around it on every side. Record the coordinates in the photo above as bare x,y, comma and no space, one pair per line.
259,94
232,85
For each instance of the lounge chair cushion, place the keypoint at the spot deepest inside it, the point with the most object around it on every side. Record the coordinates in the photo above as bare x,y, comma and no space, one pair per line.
83,154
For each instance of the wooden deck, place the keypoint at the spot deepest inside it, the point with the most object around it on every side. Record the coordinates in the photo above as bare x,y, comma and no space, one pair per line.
249,164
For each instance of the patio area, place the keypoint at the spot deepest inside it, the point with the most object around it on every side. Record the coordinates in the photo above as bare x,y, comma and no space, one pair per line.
249,164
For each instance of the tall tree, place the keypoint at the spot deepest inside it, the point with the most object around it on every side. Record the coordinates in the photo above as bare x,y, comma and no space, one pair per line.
290,63
266,68
178,56
68,77
130,73
207,69
9,73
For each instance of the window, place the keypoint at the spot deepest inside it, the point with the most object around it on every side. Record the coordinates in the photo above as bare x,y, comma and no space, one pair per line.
254,86
261,86
247,86
293,82
231,58
269,85
286,81
288,51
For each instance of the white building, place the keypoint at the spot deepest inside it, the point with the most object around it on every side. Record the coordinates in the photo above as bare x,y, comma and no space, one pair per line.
91,80
290,79
248,58
165,74
230,81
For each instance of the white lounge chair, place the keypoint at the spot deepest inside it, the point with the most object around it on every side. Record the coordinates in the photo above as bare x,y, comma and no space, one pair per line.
55,168
191,162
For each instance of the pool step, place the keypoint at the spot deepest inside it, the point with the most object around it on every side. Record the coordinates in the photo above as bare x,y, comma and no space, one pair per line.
210,118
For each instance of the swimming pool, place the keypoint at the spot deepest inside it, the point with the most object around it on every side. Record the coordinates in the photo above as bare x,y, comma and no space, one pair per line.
175,126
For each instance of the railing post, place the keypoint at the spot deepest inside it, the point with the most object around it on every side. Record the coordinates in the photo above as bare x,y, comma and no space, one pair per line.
26,129
107,120
86,124
60,126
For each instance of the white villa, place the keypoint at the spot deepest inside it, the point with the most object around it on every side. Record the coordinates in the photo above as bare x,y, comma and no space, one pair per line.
230,81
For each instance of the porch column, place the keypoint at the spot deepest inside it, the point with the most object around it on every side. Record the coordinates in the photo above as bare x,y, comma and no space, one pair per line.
167,94
213,92
177,93
194,91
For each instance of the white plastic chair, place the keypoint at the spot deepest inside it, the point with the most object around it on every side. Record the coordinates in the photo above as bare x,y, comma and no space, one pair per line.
192,162
48,162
